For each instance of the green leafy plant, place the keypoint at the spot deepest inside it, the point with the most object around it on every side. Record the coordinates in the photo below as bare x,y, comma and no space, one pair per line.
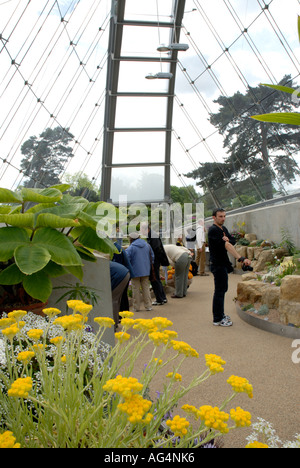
289,118
287,241
80,401
47,234
79,292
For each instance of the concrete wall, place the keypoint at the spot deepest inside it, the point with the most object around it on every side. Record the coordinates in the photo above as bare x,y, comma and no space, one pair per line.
268,222
96,276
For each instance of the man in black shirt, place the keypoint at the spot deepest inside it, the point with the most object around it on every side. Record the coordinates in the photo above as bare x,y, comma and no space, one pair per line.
220,243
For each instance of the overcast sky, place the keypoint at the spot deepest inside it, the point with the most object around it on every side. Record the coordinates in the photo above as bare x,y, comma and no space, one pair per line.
53,72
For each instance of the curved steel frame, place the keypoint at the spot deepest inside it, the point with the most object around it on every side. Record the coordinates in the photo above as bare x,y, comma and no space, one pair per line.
117,24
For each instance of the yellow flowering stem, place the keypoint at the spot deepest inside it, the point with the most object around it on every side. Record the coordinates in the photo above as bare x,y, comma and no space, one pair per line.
227,401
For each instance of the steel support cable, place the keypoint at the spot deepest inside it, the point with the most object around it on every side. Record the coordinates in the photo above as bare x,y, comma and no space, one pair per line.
28,82
72,42
207,147
245,32
236,68
184,148
202,139
279,34
270,75
258,54
18,21
16,57
35,116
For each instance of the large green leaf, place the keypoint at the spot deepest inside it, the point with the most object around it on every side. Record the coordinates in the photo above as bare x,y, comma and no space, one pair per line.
41,206
90,239
284,89
25,220
10,239
38,286
11,275
53,221
67,199
48,195
87,220
7,196
60,247
31,258
292,118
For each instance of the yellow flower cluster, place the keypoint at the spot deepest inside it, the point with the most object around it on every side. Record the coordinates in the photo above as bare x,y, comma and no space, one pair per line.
190,409
8,441
51,312
162,323
11,332
158,338
183,348
144,325
35,334
242,418
136,408
241,385
57,340
6,322
127,323
257,445
126,387
16,315
214,363
122,337
20,388
176,377
105,322
214,418
178,425
126,314
69,322
25,356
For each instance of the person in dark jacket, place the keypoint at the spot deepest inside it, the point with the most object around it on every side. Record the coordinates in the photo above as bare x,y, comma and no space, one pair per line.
220,244
160,259
122,258
119,277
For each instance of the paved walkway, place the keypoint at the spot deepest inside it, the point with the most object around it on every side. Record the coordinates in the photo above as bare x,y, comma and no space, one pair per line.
263,358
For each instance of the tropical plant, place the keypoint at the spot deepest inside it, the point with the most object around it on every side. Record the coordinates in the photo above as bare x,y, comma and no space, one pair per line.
288,118
46,234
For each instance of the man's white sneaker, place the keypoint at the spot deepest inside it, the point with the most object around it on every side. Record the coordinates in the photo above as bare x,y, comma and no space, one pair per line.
225,322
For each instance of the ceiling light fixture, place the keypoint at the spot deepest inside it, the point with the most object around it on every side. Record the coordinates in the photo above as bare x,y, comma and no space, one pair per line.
173,46
159,76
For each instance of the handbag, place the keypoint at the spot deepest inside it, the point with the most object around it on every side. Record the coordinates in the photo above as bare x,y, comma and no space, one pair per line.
152,276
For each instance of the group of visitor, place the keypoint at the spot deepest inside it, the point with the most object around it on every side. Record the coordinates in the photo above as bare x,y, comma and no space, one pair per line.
141,263
142,260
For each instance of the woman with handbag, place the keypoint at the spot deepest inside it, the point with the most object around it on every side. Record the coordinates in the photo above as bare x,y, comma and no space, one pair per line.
141,257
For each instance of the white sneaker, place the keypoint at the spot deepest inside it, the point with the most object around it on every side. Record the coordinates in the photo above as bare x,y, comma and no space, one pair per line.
225,322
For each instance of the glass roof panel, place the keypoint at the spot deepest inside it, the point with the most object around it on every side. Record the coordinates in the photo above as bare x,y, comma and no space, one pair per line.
141,41
141,112
147,10
138,184
139,147
133,77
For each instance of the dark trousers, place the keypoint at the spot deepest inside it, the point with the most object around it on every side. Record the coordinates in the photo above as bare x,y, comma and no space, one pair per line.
221,287
157,286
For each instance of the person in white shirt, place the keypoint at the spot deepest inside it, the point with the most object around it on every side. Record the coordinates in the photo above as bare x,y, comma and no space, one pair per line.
201,244
180,258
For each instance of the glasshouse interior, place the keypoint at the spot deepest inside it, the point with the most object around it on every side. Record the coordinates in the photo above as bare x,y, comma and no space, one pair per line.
149,226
